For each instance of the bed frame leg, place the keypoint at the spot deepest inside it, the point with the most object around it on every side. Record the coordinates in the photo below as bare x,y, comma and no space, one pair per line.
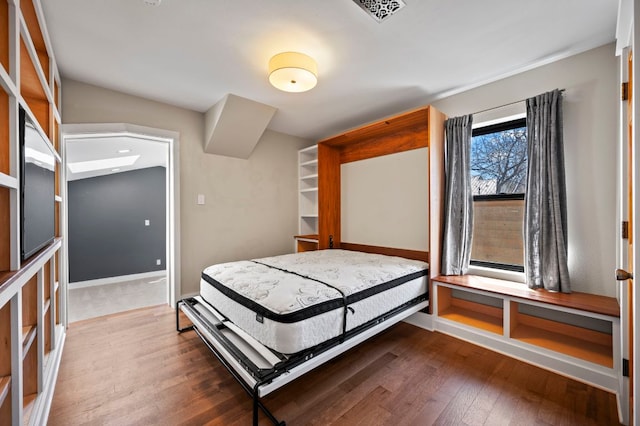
257,405
255,409
180,330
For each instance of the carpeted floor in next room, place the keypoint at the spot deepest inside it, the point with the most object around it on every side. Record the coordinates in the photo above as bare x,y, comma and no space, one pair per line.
96,301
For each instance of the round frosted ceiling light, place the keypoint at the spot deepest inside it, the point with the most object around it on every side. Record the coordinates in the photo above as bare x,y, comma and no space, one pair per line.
293,72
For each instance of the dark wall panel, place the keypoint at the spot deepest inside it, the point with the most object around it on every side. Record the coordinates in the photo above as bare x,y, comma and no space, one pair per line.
107,232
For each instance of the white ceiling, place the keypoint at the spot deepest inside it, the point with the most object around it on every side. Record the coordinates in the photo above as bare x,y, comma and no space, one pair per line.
191,53
151,153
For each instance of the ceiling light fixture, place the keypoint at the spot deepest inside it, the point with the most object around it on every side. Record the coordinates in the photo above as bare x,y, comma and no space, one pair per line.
293,72
123,151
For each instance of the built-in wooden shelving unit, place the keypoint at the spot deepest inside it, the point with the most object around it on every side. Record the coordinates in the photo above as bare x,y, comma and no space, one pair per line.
574,334
307,199
31,330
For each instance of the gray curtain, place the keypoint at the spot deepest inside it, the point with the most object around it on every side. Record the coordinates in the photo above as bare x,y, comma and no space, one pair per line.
458,199
545,217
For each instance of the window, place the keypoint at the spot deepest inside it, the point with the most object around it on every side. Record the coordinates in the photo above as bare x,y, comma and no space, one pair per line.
498,182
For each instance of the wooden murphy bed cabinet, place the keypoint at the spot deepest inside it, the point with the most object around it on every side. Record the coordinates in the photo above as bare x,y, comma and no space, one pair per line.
419,128
319,174
31,330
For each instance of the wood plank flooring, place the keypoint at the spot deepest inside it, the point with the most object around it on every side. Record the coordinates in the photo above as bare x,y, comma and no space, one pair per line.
135,369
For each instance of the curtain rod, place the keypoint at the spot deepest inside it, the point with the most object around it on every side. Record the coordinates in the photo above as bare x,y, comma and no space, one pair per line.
505,105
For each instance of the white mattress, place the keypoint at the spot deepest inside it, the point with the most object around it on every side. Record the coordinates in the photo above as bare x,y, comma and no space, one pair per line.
293,302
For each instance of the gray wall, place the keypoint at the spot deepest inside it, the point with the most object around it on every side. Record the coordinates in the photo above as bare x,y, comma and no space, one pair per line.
107,232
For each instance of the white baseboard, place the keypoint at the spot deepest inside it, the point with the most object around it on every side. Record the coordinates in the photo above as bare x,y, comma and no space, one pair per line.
115,280
420,319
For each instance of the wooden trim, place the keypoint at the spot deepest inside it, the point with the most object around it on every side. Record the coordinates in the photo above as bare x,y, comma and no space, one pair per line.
306,246
581,301
307,237
389,251
328,196
5,340
436,192
4,35
4,134
513,317
436,188
415,119
444,299
5,231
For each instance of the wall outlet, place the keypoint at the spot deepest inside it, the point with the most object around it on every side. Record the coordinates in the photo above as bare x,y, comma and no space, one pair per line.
146,222
201,199
158,262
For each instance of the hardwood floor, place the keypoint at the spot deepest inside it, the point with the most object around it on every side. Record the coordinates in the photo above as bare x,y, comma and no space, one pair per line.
134,369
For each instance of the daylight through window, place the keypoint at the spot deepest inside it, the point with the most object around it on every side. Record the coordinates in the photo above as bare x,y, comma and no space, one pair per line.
498,182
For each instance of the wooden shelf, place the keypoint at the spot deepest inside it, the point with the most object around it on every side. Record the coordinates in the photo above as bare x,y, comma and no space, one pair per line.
8,181
568,345
8,278
35,32
313,237
28,402
473,318
307,195
28,79
5,387
306,244
474,314
28,336
5,400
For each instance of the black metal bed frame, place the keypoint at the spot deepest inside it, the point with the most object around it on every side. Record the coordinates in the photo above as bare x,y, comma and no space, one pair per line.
287,362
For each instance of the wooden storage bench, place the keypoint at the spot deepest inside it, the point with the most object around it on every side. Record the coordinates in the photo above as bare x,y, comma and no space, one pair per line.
575,334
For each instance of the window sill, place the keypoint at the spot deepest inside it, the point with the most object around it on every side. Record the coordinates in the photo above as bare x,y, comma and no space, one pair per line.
515,278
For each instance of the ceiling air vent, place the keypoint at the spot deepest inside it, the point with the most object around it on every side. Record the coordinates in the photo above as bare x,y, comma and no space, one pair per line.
380,9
